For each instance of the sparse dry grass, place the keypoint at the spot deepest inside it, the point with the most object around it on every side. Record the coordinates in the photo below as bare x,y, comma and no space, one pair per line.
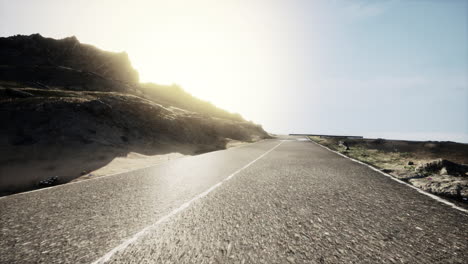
395,161
393,157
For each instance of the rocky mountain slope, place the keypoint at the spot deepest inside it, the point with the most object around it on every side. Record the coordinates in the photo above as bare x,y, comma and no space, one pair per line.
69,108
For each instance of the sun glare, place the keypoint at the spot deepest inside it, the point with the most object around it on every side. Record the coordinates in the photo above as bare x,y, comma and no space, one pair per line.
222,53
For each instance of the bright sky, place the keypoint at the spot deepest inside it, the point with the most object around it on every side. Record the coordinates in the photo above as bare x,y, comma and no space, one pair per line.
394,69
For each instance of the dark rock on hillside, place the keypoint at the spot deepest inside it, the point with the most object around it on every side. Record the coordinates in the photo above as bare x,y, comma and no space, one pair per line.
442,166
53,77
35,50
343,144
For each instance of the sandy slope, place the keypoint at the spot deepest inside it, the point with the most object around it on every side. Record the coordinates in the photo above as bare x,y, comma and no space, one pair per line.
132,161
135,161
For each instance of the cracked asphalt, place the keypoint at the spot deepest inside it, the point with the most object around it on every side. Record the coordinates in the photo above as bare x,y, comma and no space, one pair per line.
298,204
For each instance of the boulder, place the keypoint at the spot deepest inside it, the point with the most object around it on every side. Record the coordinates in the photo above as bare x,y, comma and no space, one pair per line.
344,145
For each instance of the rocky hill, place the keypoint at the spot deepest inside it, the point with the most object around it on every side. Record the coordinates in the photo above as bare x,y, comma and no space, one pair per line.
69,108
37,51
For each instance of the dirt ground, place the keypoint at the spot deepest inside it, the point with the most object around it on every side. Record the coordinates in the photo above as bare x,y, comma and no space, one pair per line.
24,169
134,161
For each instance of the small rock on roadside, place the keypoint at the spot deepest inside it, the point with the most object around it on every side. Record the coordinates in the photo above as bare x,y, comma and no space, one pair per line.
343,144
51,181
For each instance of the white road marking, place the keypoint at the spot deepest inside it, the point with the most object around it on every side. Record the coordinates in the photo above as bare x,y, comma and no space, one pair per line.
143,232
83,180
435,197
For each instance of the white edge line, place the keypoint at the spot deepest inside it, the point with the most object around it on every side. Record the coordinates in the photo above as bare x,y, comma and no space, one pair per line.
433,196
118,173
185,205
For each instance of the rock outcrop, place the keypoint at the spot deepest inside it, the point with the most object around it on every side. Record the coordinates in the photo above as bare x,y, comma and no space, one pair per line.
443,167
445,185
37,51
443,177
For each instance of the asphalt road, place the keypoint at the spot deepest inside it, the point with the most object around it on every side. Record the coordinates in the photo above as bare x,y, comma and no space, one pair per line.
270,202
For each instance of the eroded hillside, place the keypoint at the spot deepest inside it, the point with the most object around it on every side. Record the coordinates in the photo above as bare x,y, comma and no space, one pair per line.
70,108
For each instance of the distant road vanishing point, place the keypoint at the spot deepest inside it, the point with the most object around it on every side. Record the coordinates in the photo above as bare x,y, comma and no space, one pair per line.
283,200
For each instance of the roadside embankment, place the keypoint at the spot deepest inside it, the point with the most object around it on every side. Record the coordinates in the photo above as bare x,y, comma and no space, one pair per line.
437,167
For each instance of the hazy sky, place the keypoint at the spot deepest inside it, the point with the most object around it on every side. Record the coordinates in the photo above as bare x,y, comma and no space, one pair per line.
395,69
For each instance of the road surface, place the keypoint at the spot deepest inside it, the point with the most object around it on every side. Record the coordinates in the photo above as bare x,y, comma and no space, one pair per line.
275,201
